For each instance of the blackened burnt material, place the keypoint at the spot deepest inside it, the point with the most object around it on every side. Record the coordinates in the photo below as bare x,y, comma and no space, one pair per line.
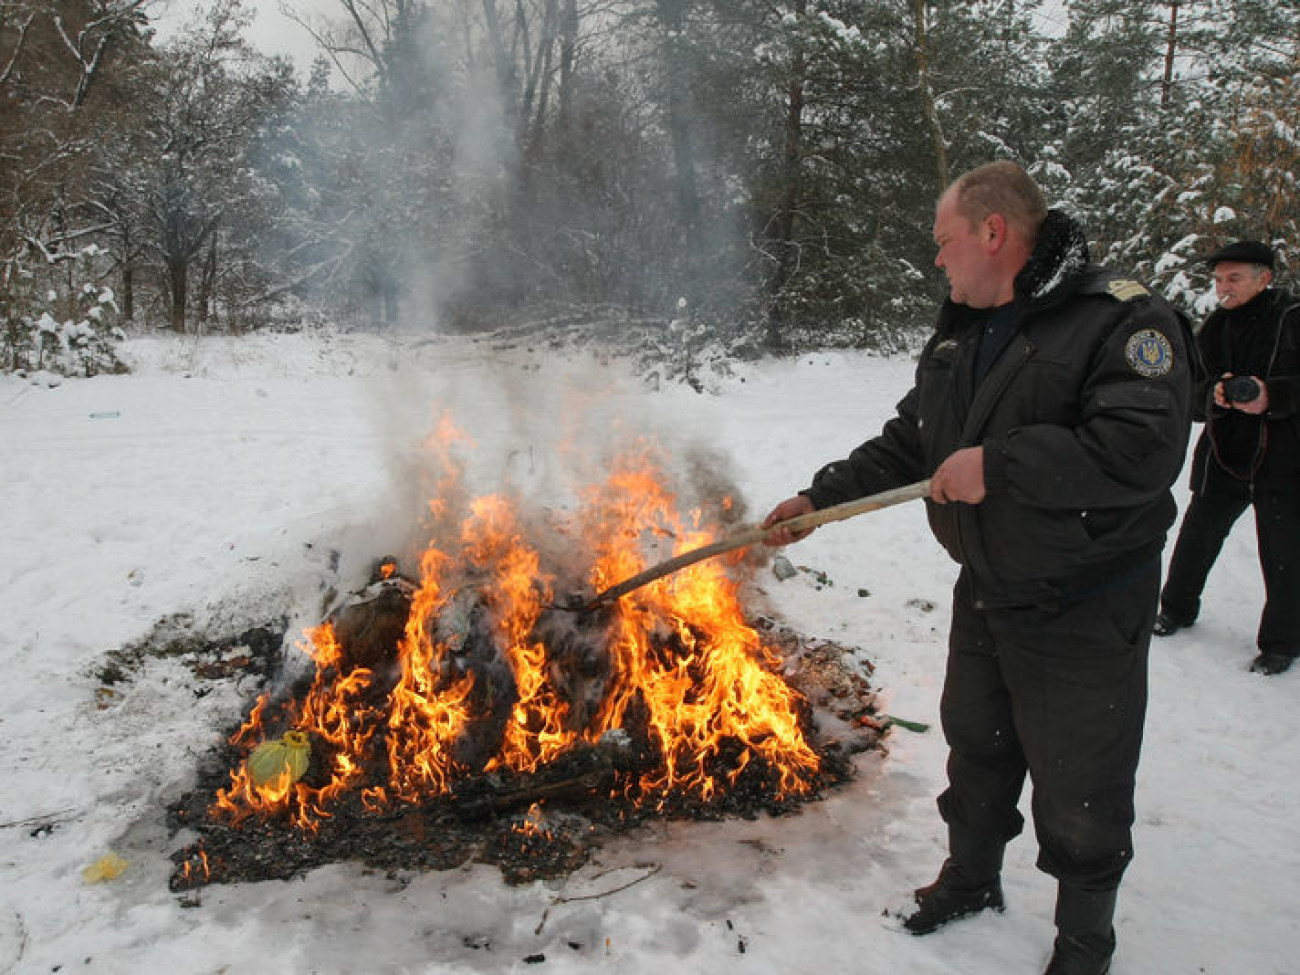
531,825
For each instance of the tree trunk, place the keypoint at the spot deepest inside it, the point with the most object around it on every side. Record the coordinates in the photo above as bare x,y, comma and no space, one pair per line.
791,188
208,282
503,64
568,57
537,89
128,293
929,110
1171,49
178,272
791,158
671,17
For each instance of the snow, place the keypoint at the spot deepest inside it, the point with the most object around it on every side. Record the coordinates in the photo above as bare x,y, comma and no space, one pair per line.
215,480
1169,260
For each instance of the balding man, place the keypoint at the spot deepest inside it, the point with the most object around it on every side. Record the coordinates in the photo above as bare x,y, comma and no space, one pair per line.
1051,412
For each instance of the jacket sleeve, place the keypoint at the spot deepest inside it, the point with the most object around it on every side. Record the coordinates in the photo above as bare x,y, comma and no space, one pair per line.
889,460
1285,377
1131,437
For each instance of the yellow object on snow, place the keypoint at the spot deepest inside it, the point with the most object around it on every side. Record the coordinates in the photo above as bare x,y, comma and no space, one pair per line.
105,868
271,761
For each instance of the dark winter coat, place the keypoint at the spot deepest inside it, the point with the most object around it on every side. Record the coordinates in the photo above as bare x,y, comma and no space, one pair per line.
1262,339
1084,418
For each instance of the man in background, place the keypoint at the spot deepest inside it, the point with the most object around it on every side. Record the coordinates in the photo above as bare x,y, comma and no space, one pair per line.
1249,452
1051,412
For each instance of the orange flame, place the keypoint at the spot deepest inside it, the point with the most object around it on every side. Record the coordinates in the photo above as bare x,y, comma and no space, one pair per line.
722,687
428,712
679,654
196,870
533,823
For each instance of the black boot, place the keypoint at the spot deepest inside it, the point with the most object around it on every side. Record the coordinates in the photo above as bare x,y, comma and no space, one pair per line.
1272,662
1085,933
1166,625
968,882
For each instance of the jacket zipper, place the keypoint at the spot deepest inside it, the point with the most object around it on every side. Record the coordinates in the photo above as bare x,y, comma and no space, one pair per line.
969,428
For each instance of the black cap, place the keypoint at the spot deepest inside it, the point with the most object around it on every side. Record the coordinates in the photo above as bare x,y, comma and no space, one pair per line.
1244,252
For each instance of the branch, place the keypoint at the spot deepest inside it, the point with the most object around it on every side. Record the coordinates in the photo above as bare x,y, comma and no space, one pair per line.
375,57
331,47
18,49
650,870
37,245
104,27
58,816
77,234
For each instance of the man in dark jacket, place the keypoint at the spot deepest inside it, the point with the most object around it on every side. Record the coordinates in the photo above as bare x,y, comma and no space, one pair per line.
1248,453
1051,412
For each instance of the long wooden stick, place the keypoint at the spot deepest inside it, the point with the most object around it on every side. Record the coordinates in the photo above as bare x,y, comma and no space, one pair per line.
755,533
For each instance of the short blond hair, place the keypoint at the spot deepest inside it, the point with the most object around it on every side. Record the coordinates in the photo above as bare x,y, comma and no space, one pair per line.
1001,187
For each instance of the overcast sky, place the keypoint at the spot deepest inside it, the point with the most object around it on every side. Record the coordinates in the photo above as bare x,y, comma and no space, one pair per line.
271,31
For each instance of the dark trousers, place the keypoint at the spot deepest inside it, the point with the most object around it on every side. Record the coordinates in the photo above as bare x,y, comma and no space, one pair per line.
1060,693
1210,516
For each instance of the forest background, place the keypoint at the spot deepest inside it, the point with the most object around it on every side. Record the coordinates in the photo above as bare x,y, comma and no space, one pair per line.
757,174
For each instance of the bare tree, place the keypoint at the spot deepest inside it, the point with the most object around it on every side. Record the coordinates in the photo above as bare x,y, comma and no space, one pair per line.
205,103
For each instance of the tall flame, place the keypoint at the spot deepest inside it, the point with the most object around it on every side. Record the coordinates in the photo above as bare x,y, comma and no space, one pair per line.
723,688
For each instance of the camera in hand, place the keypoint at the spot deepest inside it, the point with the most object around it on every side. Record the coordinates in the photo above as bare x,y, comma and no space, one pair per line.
1240,389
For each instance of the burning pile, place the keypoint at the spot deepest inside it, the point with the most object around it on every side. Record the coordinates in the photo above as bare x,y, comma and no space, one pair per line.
438,702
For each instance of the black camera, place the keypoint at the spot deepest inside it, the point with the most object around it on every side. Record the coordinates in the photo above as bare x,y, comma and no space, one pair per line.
1240,389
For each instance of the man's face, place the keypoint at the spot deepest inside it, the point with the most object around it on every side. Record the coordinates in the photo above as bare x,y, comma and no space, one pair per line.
1236,283
963,256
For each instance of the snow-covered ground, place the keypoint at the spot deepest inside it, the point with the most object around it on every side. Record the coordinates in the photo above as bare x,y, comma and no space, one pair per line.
217,478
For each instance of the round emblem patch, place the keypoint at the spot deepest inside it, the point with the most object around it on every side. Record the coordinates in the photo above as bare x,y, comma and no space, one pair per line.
1149,353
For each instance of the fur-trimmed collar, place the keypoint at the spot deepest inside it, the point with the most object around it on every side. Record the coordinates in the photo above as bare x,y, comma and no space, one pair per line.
1060,253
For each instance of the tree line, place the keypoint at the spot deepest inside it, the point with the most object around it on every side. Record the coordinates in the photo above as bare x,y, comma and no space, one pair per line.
766,169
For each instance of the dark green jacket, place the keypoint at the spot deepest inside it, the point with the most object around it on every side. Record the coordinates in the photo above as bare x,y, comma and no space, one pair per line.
1084,419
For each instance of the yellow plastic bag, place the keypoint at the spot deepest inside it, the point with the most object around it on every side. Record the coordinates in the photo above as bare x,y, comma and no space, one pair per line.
105,868
281,762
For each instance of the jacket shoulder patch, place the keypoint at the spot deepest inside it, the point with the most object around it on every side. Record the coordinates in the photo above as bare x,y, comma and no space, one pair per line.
1126,289
1149,353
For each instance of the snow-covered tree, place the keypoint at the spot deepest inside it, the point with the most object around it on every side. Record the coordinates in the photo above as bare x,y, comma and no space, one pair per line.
67,75
1178,131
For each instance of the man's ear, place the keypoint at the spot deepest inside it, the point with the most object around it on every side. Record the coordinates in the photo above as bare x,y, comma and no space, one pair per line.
993,235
